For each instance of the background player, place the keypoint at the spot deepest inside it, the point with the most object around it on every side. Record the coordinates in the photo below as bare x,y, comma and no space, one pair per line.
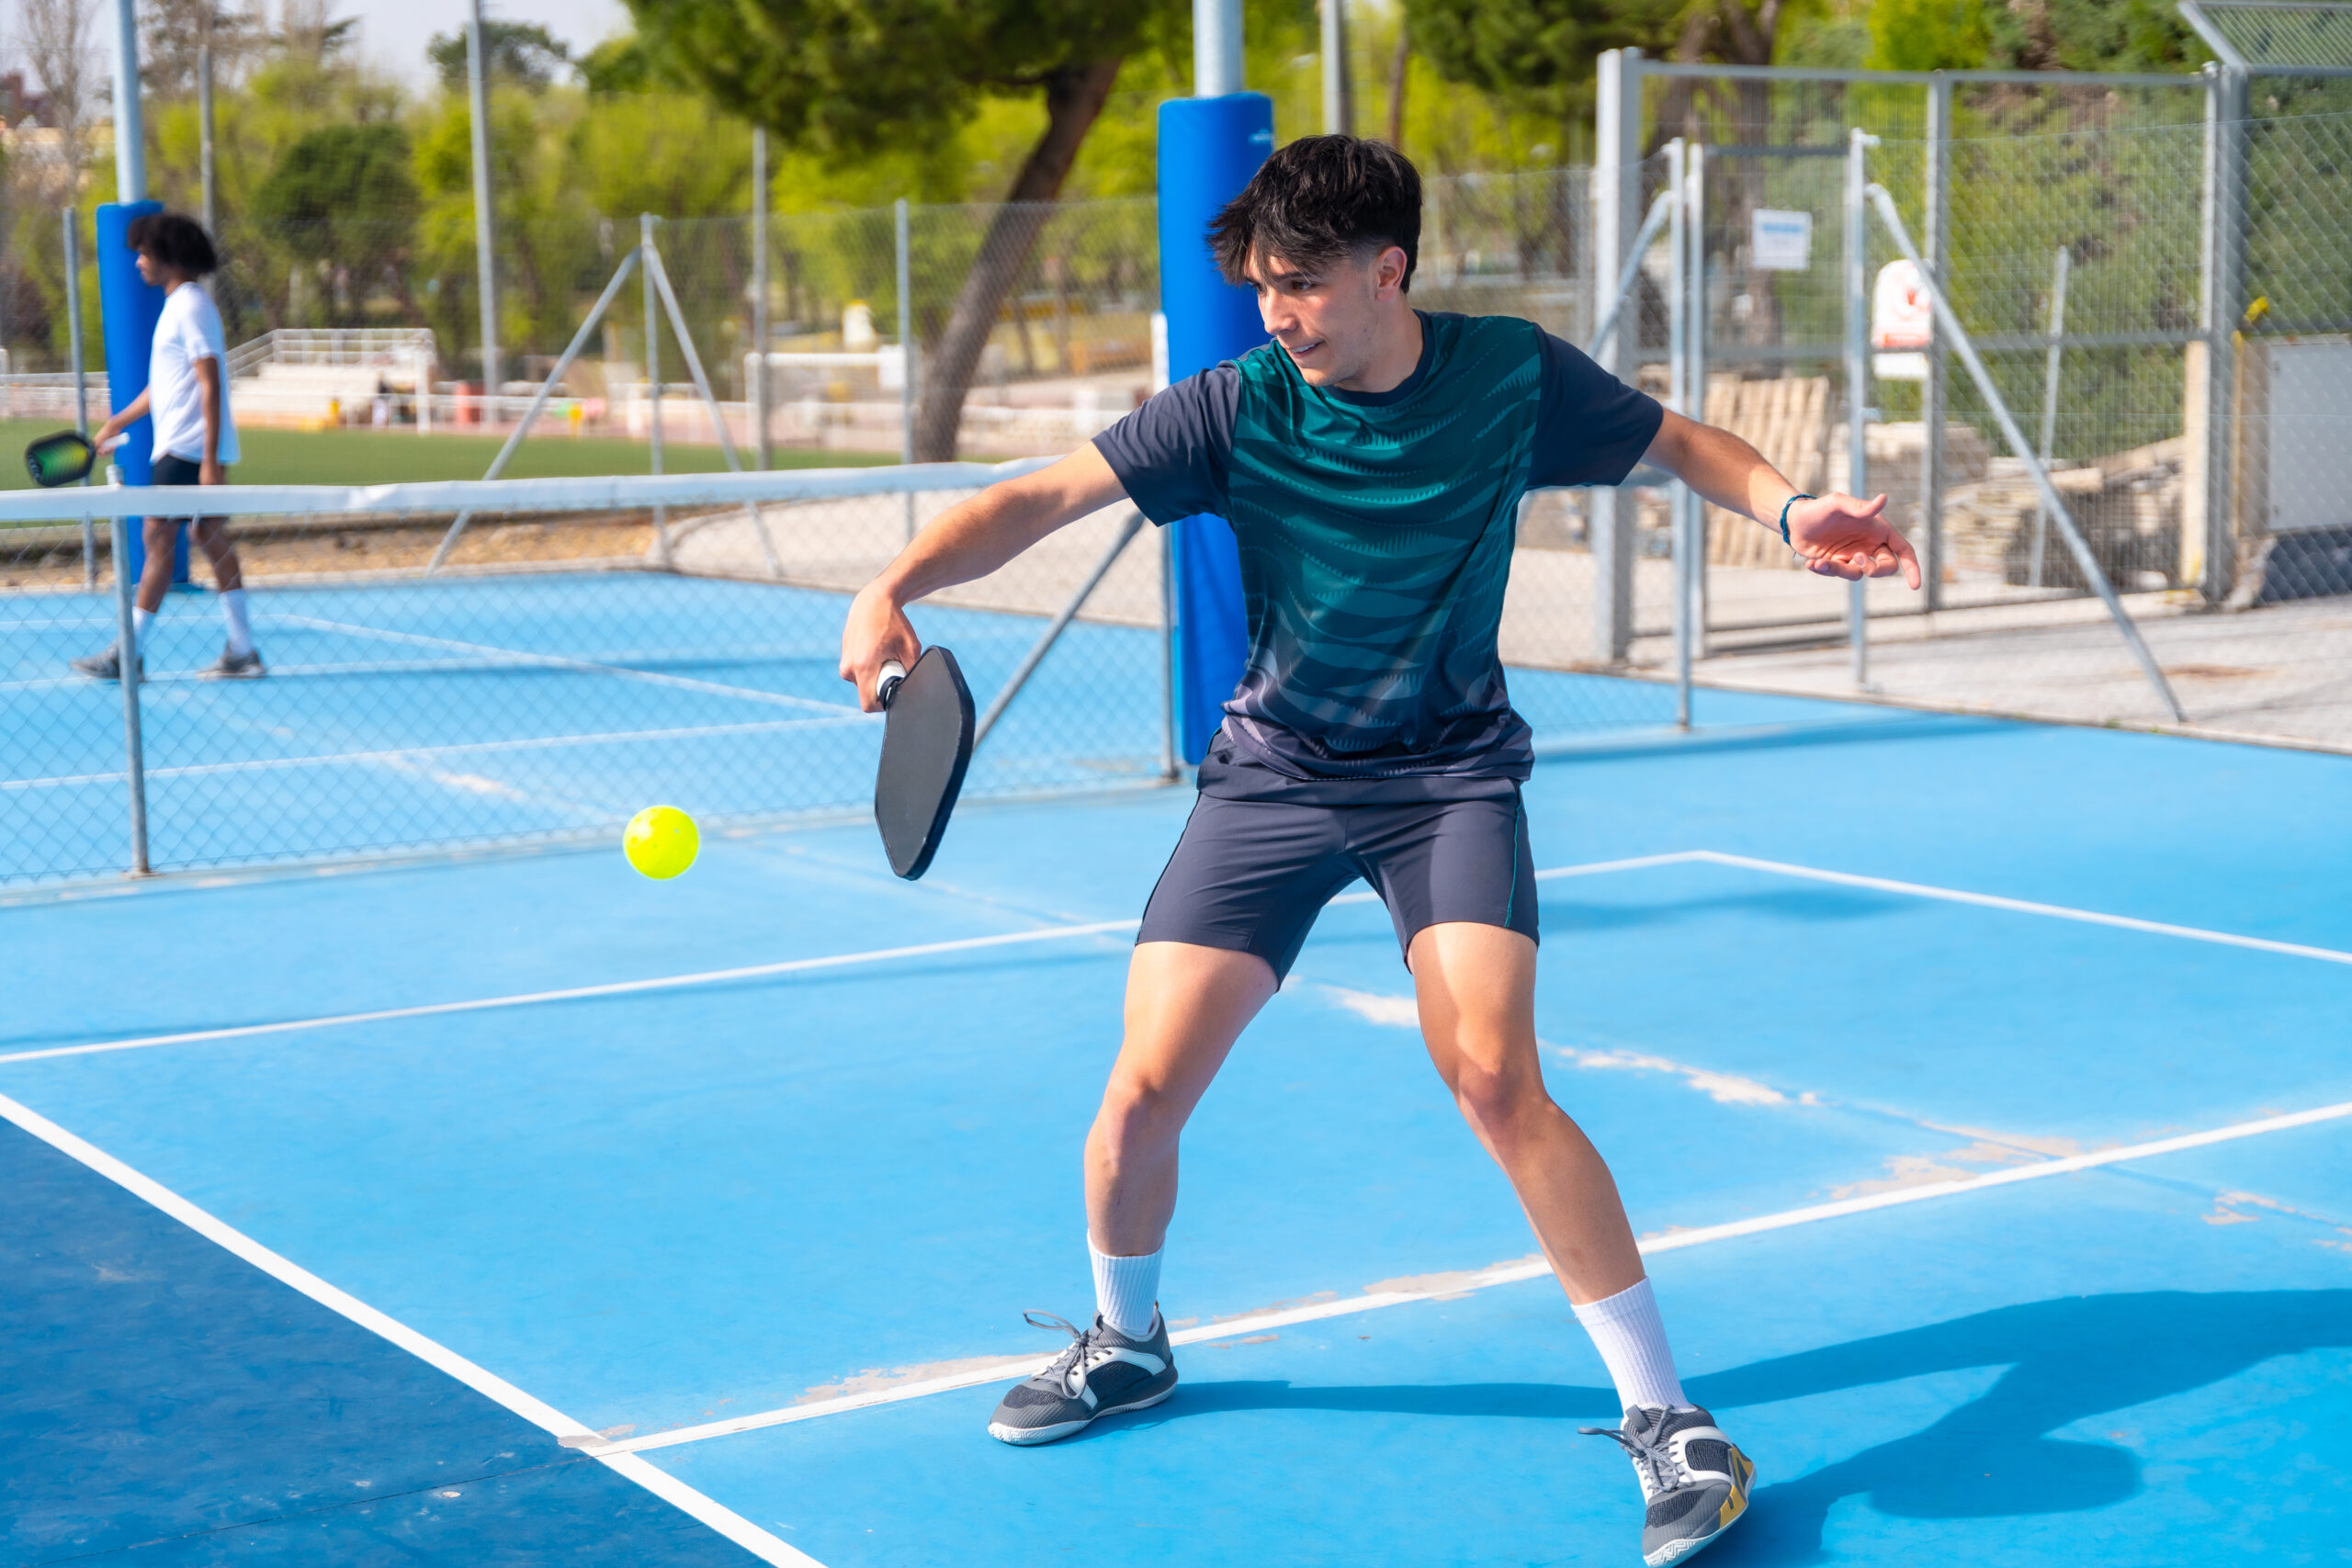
1370,459
195,439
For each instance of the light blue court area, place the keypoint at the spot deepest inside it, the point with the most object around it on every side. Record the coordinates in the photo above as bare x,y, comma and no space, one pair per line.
1950,1067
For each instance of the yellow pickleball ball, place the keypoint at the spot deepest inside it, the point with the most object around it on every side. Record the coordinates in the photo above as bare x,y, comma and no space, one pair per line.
660,842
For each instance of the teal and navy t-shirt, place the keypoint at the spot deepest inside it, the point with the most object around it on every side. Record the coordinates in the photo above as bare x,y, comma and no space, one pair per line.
1375,532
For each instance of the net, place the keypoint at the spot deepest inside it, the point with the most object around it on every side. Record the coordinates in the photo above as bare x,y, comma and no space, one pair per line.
584,649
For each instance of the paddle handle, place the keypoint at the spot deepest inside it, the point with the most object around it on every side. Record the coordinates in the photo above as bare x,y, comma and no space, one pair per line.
886,680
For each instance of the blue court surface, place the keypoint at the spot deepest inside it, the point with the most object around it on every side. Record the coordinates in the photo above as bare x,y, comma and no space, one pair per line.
1981,1090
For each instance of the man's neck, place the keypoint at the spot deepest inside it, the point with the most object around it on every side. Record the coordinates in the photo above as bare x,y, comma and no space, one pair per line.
1392,362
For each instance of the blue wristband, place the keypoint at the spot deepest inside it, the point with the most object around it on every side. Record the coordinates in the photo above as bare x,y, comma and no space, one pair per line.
1784,516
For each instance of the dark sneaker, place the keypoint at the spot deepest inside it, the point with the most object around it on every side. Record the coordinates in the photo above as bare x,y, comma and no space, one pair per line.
1693,1478
1101,1373
107,666
242,666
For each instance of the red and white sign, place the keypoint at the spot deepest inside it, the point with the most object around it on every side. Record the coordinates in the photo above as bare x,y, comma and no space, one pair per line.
1902,324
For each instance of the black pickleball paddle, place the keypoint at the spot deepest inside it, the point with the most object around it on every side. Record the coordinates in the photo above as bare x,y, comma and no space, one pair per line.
63,459
926,746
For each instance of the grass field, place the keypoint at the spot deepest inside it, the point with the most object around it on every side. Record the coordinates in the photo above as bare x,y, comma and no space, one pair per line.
369,456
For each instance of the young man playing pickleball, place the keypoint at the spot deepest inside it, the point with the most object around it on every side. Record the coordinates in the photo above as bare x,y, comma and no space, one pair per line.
1370,459
187,394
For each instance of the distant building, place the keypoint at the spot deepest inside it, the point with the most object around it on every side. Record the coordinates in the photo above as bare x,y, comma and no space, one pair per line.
18,105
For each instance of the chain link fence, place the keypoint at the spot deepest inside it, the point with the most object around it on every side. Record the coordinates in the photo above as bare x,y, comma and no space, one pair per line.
2149,269
562,669
2182,373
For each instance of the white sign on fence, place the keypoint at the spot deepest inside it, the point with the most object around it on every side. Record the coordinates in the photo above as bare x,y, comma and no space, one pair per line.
1902,324
1779,242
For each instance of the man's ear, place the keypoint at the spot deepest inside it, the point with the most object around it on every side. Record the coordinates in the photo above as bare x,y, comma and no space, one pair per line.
1388,272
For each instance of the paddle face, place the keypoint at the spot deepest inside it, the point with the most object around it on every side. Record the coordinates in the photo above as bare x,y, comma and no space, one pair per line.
63,459
926,746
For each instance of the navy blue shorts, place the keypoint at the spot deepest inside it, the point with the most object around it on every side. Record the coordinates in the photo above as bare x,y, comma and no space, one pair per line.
1250,876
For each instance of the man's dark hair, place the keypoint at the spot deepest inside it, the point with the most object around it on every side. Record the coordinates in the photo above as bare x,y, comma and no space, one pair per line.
1322,200
175,240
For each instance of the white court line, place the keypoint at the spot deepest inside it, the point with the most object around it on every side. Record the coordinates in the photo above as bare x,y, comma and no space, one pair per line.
1012,1368
2021,907
713,976
1595,868
572,1433
557,661
413,753
576,993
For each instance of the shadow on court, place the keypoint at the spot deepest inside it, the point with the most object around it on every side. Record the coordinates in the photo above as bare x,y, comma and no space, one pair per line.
2067,1359
1807,905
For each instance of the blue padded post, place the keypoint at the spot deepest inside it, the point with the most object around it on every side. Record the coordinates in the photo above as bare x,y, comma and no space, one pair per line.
1208,149
128,309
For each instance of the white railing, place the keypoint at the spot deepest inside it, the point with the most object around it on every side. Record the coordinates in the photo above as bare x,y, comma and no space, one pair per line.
333,345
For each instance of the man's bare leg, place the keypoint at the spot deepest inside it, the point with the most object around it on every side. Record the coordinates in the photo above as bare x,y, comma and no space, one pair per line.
1475,986
161,536
212,537
1186,1005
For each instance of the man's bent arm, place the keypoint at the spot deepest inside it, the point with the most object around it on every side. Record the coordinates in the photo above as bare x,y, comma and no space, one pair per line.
1838,536
968,540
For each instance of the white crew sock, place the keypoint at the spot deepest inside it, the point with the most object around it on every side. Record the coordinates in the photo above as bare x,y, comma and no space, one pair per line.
140,621
1631,1336
232,610
1127,1289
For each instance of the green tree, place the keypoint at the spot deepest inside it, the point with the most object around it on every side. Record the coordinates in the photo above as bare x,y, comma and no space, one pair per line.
342,201
521,52
1928,35
1540,53
851,79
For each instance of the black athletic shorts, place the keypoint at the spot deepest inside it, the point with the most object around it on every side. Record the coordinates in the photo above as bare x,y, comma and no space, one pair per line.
173,469
1250,876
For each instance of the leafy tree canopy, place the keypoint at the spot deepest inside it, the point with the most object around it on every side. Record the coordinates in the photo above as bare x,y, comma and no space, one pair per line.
514,51
338,170
853,77
1538,52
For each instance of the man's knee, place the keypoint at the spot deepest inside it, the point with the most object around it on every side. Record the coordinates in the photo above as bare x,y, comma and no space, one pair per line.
1499,1097
1137,1115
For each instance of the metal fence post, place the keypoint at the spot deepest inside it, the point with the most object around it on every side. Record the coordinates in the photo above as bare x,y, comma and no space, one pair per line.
2224,304
905,352
134,762
1695,342
81,381
1616,197
1858,368
764,451
1678,373
1931,397
485,234
2053,362
653,373
207,167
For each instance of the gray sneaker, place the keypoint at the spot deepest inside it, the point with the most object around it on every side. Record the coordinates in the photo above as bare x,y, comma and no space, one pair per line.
244,666
107,666
1101,1373
1694,1479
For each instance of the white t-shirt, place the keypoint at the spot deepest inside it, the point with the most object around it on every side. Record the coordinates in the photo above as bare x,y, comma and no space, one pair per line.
189,331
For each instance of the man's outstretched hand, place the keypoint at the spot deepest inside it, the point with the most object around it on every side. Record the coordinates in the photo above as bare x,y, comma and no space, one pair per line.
1841,536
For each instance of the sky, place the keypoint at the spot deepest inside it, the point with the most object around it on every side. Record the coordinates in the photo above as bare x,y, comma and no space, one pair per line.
393,33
